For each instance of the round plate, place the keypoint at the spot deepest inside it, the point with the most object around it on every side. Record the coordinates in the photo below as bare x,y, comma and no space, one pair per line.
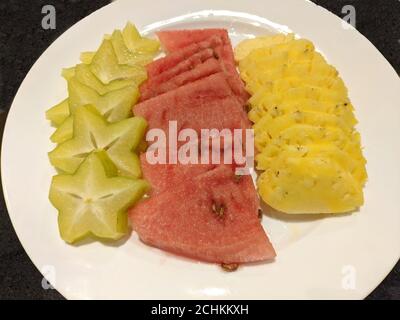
341,256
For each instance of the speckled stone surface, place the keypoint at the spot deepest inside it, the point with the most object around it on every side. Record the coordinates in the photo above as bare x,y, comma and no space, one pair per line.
22,40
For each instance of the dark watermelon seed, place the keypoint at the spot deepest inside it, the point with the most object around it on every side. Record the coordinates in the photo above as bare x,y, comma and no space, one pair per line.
229,267
218,209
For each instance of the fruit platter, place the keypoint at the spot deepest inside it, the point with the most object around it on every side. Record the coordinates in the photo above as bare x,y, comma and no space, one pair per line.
216,145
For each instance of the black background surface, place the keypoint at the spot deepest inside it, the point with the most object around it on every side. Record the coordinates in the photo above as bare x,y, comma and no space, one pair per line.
22,41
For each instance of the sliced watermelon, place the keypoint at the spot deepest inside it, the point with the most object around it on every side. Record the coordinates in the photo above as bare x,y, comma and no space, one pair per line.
181,67
173,40
162,176
225,54
171,60
203,70
210,88
206,103
212,217
177,40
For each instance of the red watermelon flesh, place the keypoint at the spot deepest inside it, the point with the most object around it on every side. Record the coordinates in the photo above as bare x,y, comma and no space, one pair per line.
185,65
203,70
201,114
203,90
212,217
173,40
163,176
171,60
225,53
206,103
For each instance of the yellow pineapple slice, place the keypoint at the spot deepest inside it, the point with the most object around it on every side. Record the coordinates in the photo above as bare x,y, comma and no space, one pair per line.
309,185
305,134
309,151
325,149
246,46
319,119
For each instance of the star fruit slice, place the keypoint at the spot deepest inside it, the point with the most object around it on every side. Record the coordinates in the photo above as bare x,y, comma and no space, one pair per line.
93,133
114,105
136,43
64,132
90,203
126,56
58,113
106,68
84,75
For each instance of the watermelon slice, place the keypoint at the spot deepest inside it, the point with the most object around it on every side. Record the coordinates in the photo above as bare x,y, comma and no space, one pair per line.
162,176
171,60
212,217
181,67
177,40
203,70
206,103
173,40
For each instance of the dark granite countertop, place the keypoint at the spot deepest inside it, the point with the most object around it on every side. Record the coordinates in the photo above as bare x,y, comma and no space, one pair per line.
22,40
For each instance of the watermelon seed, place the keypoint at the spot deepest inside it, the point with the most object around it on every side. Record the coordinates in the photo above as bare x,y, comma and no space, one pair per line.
229,267
237,178
218,209
260,214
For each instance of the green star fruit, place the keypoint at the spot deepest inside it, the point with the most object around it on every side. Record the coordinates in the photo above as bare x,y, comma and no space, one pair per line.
90,203
93,133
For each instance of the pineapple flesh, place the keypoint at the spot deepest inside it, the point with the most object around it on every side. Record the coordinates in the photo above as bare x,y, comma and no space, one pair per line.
309,152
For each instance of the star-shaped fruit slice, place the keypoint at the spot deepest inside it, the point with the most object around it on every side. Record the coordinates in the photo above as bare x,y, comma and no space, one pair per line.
114,105
141,50
93,133
58,113
64,132
126,56
106,68
138,45
84,75
91,203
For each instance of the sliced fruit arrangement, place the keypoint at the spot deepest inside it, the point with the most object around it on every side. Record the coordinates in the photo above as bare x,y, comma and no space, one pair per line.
202,211
98,139
309,151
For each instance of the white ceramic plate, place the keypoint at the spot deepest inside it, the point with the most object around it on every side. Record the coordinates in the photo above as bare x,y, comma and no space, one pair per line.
330,257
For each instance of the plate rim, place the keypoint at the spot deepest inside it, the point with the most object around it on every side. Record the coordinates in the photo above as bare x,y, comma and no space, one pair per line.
10,115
